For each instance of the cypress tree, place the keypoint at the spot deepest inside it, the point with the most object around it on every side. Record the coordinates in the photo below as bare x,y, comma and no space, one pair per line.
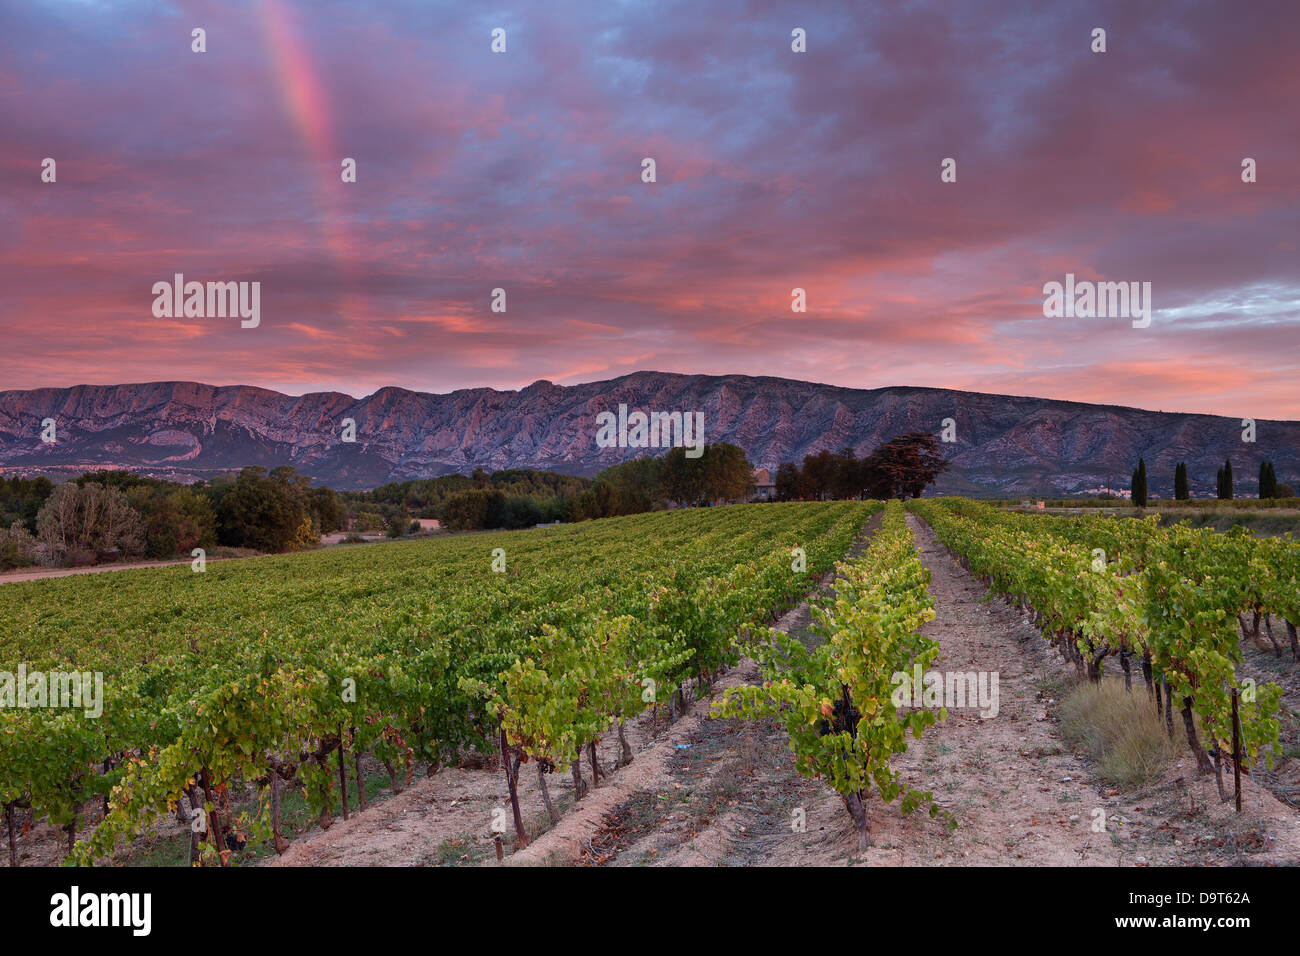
1227,480
1181,492
1140,493
1267,480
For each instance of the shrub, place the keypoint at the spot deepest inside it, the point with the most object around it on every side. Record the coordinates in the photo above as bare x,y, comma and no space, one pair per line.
368,521
79,520
17,547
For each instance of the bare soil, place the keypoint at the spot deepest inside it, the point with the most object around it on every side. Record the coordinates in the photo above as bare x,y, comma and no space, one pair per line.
37,574
41,573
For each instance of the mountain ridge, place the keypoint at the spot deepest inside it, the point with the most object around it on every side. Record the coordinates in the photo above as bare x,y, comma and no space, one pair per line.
1006,445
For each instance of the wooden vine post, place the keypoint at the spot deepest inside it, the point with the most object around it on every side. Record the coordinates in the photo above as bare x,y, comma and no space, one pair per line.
1236,749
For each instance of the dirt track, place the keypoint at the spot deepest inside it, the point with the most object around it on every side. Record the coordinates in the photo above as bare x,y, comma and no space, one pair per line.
9,576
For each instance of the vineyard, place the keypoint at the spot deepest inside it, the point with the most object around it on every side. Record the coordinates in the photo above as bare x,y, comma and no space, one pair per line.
1174,601
259,673
227,689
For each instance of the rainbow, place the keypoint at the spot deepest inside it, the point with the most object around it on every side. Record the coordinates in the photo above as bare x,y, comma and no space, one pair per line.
305,101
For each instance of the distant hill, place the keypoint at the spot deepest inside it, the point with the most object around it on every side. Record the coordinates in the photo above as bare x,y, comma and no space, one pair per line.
1006,446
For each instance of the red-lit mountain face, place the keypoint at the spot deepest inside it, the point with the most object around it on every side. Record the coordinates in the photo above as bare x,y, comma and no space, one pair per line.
1005,445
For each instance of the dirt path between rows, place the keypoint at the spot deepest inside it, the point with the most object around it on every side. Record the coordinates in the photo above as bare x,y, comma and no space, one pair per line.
447,819
1019,794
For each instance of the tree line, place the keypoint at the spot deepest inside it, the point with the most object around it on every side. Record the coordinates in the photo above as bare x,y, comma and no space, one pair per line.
510,498
109,515
426,497
106,515
721,473
112,515
900,468
1268,486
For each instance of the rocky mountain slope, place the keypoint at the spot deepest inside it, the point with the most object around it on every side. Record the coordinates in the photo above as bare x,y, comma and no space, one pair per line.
1005,445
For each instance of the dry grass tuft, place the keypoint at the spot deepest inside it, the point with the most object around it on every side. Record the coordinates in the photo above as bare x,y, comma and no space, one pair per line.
1120,731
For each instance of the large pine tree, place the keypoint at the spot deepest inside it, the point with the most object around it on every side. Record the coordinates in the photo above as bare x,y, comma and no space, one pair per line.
902,467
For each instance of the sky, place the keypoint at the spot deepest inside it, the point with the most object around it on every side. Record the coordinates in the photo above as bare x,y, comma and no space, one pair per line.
775,170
